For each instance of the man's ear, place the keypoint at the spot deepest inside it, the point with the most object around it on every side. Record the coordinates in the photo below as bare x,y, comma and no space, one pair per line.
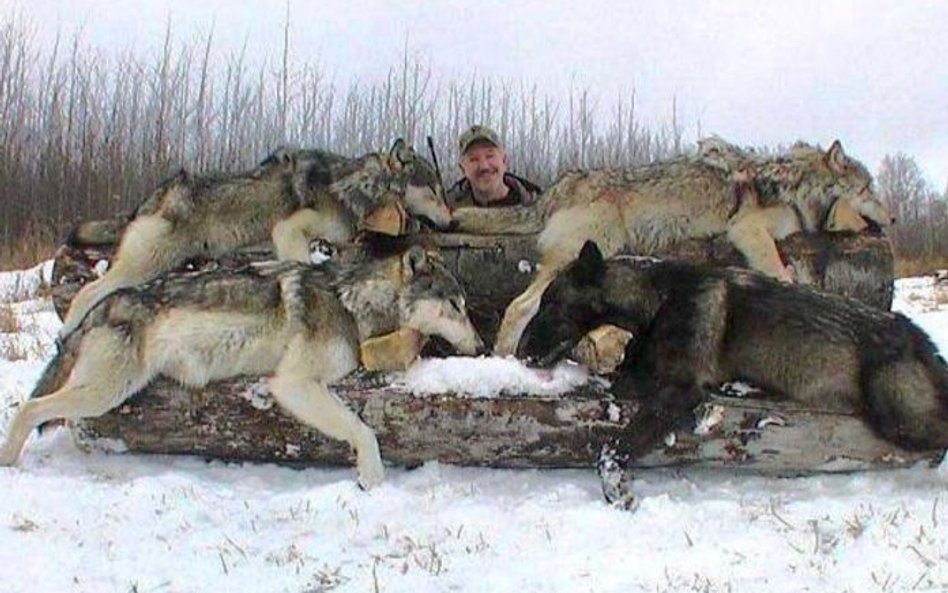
590,266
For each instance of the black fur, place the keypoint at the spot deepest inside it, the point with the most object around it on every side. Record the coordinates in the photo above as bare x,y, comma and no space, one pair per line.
696,327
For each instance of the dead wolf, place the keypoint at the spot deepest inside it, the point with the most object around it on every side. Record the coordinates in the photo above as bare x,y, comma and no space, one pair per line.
697,326
754,200
300,324
292,197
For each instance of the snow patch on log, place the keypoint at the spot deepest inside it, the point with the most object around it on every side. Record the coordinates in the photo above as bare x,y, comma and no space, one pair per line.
486,377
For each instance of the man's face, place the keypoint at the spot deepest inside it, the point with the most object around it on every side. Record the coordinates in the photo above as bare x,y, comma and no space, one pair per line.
484,166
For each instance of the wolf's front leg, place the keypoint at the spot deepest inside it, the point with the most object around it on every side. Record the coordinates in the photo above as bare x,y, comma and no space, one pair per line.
394,351
306,396
751,234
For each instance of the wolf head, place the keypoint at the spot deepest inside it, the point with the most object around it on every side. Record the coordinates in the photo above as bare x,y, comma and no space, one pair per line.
832,191
572,305
854,191
424,192
432,301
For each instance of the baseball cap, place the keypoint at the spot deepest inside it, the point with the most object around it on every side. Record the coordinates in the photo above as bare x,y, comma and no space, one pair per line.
478,134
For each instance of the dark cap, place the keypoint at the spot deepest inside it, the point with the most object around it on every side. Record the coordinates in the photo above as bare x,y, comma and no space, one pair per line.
478,134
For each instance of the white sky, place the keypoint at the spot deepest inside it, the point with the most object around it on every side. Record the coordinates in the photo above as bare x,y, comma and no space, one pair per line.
871,73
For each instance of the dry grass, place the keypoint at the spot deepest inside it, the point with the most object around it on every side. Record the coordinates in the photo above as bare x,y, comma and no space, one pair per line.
919,266
9,322
37,243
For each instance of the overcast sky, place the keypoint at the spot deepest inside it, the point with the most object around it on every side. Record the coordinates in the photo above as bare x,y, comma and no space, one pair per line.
872,73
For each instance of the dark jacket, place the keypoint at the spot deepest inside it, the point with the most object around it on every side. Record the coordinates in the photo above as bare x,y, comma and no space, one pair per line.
522,193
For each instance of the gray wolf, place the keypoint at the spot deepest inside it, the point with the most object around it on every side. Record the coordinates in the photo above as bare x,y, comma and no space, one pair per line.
752,199
292,197
697,326
300,324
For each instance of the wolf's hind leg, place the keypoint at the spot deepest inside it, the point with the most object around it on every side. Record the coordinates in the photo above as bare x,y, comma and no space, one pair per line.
559,244
106,373
147,249
519,313
307,397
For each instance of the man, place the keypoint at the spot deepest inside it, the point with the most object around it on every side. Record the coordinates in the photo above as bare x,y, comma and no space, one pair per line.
486,182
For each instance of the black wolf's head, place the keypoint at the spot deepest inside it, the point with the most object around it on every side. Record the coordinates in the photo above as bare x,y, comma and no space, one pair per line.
424,192
572,305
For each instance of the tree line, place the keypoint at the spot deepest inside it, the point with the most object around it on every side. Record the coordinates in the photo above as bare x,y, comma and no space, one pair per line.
86,133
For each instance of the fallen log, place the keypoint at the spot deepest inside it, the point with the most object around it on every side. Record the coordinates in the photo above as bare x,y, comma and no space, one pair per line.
236,419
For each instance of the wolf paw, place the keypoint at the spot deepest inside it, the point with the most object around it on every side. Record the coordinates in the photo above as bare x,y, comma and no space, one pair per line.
615,479
370,474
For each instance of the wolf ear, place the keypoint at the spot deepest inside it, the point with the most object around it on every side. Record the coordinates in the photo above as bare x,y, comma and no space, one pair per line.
590,265
402,152
415,261
281,157
836,158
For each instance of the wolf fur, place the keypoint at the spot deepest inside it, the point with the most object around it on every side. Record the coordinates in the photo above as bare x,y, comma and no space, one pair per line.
753,200
300,324
697,326
292,197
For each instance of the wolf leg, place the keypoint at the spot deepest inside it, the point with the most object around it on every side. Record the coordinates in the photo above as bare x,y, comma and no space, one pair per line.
148,248
106,373
559,244
394,351
754,233
519,313
291,236
306,396
670,365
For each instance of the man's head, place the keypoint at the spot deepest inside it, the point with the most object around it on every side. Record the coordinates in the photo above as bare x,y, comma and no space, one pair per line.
483,161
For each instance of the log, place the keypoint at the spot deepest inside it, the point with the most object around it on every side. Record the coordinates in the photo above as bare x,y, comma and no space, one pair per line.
237,420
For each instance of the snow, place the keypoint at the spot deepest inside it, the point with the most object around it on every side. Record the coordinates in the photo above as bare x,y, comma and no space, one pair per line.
487,377
103,522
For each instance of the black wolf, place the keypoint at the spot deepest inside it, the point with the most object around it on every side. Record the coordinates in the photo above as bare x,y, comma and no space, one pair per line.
696,327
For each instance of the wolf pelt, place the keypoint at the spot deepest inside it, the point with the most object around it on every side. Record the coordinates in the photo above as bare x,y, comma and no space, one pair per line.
696,327
300,324
291,198
753,200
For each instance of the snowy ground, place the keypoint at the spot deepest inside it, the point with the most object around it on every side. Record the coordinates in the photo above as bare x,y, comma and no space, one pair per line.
73,522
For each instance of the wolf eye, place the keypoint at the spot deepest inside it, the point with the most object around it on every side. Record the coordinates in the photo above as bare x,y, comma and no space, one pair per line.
457,305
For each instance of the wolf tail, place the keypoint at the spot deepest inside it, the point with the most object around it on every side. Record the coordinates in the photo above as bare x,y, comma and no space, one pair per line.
95,232
907,391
